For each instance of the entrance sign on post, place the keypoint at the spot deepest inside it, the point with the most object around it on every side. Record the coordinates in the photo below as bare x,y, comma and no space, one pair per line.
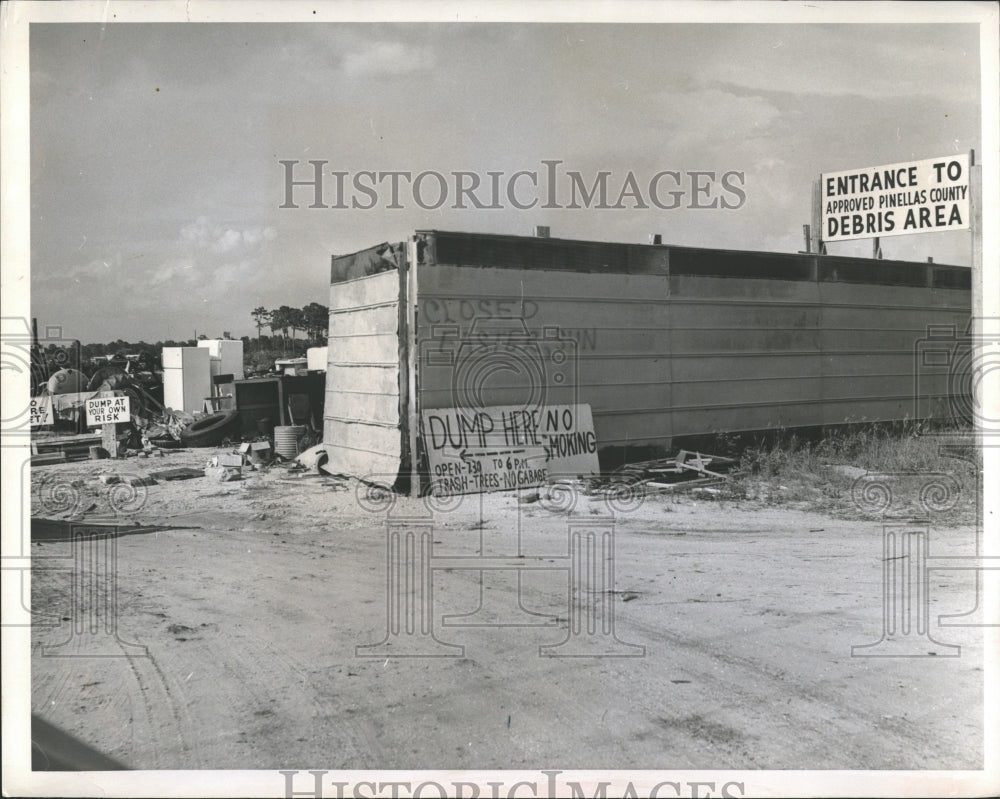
893,200
507,447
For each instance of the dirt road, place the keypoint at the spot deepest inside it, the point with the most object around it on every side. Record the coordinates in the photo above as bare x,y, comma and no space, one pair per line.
242,605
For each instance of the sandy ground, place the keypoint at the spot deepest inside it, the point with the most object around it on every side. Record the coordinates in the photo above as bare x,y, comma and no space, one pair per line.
240,607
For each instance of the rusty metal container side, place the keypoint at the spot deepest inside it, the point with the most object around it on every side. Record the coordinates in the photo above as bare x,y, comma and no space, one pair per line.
492,336
363,429
836,345
672,341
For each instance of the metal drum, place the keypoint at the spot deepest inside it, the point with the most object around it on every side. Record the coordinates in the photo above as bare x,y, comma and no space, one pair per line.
286,440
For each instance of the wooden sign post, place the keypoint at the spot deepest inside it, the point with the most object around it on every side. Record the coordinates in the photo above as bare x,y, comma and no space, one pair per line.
109,412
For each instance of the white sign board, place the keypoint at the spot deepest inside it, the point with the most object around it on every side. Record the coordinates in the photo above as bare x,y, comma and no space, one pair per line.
107,410
41,410
893,200
506,447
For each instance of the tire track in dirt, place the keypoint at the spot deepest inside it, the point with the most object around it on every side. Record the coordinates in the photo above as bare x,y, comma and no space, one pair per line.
321,695
758,684
160,740
267,708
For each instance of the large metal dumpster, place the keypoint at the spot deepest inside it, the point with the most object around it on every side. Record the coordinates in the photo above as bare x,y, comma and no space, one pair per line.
660,341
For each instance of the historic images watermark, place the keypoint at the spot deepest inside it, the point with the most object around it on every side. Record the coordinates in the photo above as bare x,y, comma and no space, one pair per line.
950,365
588,567
534,379
906,628
949,368
82,552
83,555
548,782
312,184
20,356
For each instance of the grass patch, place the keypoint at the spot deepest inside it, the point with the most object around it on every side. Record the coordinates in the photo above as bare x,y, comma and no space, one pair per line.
818,473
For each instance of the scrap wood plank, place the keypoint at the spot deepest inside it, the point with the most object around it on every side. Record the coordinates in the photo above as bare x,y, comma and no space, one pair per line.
696,462
61,440
70,448
180,473
48,458
663,488
702,470
681,466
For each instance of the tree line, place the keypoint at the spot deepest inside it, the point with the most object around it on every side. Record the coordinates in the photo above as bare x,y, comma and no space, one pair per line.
311,319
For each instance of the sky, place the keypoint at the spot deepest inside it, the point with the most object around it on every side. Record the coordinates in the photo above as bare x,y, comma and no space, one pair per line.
156,181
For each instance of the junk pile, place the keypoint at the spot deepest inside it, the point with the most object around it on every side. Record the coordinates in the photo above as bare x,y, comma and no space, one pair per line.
64,449
229,465
153,424
154,427
685,471
162,429
212,430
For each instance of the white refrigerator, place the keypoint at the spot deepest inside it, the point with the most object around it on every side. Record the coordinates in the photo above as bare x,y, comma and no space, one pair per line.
187,378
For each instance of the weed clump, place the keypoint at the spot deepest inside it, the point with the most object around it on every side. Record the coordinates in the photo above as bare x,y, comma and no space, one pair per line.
819,472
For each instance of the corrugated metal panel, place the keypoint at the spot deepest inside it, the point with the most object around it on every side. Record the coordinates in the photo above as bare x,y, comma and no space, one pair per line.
362,429
724,343
846,350
613,340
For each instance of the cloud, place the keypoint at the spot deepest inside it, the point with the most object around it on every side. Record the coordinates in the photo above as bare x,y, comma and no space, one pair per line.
172,272
254,236
203,234
718,111
387,58
91,272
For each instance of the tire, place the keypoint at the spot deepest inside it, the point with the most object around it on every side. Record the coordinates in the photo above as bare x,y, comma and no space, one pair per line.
209,431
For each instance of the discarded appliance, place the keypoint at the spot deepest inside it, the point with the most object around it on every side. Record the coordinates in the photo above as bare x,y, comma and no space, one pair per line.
316,359
292,366
261,399
225,356
187,378
67,381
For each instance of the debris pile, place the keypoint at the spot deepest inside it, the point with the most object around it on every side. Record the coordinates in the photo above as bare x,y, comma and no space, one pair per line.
162,429
685,471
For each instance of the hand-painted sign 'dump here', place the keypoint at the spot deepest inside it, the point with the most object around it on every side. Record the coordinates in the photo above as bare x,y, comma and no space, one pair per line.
507,447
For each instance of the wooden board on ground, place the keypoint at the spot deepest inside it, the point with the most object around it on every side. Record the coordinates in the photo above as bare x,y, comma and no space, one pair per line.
180,473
